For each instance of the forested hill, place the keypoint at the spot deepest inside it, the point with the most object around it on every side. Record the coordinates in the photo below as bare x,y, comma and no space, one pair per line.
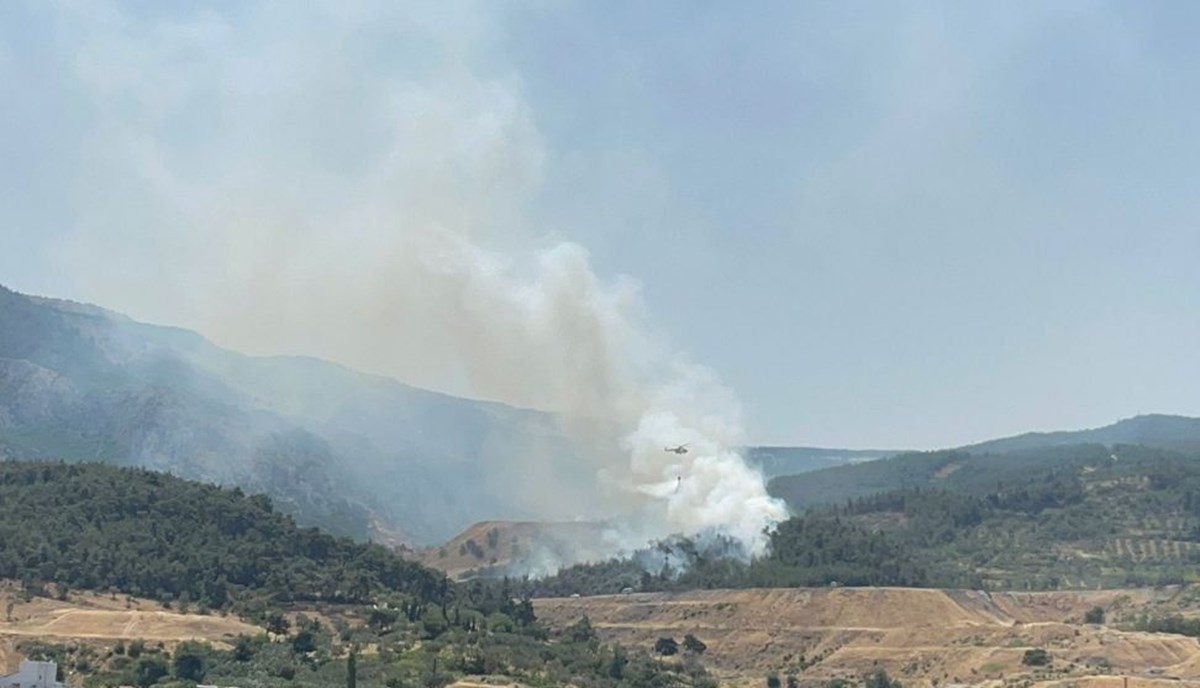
197,547
953,470
1160,431
1099,517
146,533
982,465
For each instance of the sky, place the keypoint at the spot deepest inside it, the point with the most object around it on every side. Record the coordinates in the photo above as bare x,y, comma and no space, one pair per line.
888,225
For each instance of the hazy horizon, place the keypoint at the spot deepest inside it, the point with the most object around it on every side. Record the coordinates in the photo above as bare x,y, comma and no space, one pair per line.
919,226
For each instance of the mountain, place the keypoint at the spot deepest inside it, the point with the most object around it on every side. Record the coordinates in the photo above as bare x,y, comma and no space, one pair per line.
776,461
983,465
360,455
1152,430
1081,517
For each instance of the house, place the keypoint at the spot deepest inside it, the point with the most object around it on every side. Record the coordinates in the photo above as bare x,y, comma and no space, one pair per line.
33,675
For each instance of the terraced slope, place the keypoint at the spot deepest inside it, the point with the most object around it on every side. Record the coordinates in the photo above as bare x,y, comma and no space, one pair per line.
924,637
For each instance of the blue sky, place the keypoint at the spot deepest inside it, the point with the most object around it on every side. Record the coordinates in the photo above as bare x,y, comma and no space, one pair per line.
882,224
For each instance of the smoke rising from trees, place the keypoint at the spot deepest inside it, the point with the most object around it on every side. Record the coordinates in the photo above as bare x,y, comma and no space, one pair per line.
259,178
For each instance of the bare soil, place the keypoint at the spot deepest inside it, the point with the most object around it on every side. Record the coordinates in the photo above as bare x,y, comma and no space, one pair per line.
922,637
103,619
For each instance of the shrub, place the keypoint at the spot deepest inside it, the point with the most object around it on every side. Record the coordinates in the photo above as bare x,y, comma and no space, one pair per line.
1036,657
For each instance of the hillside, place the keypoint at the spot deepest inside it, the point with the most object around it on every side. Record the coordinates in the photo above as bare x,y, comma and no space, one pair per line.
921,637
514,548
329,606
982,465
952,469
777,461
1153,430
1099,517
359,455
91,526
95,615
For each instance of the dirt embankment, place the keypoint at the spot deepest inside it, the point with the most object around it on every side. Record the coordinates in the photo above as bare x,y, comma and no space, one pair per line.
923,637
499,544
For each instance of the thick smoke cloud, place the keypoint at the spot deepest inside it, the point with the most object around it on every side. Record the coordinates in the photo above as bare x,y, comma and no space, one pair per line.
269,180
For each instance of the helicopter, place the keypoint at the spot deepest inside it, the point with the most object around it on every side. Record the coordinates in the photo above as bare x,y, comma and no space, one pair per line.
681,449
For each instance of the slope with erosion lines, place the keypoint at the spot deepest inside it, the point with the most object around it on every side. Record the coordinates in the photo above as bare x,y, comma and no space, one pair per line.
491,549
924,637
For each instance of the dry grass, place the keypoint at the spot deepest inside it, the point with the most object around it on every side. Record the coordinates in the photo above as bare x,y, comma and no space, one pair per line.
923,637
514,541
102,619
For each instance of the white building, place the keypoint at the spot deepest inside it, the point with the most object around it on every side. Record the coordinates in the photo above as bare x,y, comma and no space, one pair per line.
33,675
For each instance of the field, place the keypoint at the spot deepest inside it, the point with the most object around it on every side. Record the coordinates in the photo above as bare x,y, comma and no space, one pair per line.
922,637
101,619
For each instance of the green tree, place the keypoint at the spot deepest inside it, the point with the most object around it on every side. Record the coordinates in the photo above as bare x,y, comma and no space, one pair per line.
880,679
524,612
352,668
136,648
666,647
581,631
188,663
1095,615
304,641
773,681
243,649
1035,657
277,623
616,665
149,670
382,619
693,644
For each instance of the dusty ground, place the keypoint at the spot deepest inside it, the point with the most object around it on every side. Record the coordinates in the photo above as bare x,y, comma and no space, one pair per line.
501,543
924,637
99,618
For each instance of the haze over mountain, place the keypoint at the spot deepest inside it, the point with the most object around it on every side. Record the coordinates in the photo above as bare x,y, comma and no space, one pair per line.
777,461
358,454
982,465
369,456
1151,430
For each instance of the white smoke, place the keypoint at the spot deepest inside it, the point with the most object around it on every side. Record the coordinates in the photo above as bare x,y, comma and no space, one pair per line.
264,179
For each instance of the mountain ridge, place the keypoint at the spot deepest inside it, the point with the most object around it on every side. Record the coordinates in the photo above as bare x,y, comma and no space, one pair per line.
1166,431
332,445
980,465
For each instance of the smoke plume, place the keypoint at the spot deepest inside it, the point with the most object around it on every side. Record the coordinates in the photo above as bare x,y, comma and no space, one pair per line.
262,178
